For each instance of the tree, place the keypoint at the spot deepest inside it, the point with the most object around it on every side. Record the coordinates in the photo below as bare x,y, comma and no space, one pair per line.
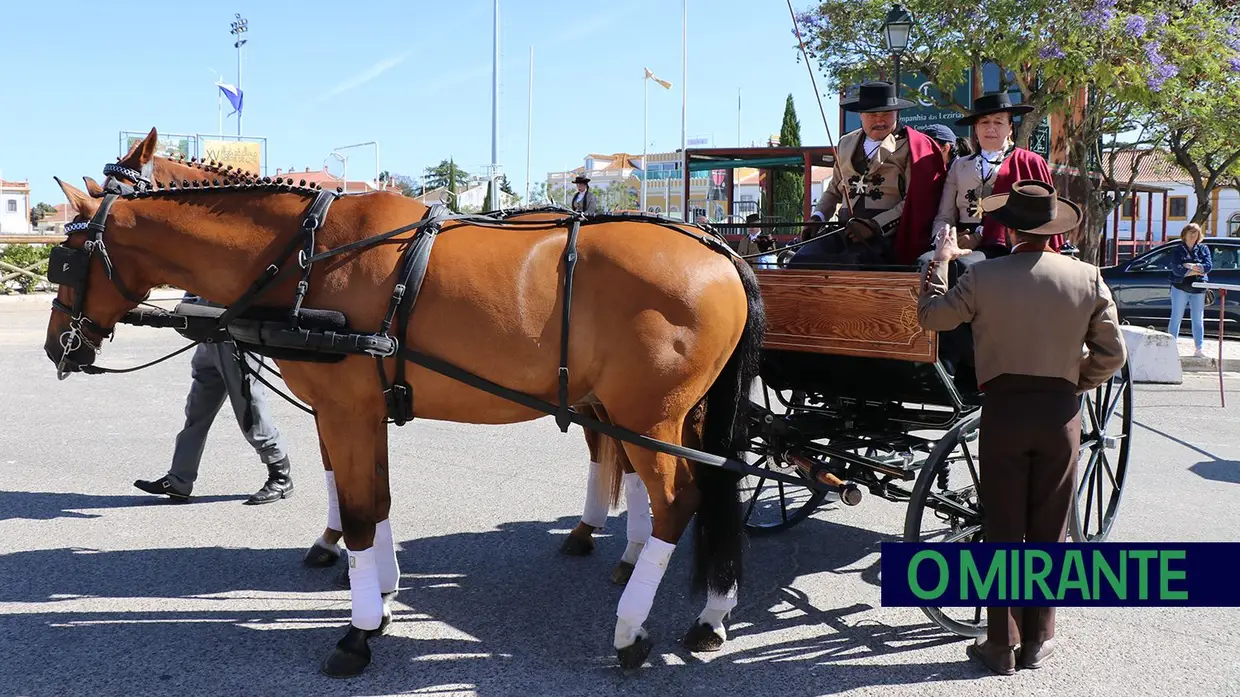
788,188
1100,66
538,193
444,174
39,211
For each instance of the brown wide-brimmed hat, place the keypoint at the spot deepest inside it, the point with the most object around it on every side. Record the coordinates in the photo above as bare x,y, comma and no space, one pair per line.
1032,206
993,103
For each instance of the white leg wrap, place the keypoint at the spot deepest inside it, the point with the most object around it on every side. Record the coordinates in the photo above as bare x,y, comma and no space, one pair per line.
717,607
638,501
595,514
385,557
638,595
631,552
364,589
333,502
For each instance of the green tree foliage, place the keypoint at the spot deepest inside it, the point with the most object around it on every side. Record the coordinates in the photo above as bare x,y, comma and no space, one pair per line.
446,174
39,211
788,188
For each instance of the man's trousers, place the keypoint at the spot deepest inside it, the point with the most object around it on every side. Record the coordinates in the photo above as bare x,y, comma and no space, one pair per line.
1029,442
217,375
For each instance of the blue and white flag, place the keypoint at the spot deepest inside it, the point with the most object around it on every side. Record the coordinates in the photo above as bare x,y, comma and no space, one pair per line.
234,96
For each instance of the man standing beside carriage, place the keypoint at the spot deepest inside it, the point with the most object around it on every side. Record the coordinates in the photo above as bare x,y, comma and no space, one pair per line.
1032,311
888,177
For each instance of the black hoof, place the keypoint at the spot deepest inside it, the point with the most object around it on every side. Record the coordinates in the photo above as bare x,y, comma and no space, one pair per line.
342,579
621,574
702,637
319,556
574,546
351,655
633,656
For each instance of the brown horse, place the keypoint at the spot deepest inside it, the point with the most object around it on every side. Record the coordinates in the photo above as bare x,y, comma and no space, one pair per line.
665,331
609,466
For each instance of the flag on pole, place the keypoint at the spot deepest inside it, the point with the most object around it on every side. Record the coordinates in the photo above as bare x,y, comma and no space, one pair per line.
666,85
234,96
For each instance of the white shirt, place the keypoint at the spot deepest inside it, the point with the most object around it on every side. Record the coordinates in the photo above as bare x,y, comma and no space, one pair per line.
871,147
984,165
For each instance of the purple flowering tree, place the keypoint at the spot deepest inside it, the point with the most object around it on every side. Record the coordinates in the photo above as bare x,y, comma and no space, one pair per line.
1109,69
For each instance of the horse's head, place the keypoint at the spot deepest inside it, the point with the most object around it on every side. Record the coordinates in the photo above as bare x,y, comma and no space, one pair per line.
93,293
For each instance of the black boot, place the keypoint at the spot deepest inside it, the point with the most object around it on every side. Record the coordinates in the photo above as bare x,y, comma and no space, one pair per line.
279,484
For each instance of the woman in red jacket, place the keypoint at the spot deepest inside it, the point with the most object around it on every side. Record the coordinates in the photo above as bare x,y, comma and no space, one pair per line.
992,169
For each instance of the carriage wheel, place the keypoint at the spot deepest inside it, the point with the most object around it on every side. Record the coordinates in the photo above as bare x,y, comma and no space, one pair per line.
772,506
1106,435
947,489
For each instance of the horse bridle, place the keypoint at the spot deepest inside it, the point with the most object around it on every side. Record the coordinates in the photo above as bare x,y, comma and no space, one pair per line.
67,266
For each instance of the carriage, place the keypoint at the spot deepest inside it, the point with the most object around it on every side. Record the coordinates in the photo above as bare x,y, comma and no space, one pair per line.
854,398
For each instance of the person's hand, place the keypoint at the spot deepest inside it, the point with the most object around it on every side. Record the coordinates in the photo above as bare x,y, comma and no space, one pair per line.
945,246
860,230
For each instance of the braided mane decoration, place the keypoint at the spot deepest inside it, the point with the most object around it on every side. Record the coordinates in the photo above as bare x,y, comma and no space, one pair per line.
233,183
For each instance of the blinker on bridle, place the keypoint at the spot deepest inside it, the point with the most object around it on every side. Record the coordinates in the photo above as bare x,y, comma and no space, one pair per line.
67,266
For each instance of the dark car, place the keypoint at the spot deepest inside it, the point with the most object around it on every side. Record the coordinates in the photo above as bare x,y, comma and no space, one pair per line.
1142,287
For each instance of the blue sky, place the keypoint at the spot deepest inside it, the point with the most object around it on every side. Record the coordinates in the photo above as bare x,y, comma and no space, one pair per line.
414,76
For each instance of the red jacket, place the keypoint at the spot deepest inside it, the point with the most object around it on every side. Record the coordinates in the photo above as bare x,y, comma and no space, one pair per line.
1019,164
921,201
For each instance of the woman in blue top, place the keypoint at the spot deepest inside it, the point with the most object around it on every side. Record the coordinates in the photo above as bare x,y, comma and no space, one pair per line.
1190,263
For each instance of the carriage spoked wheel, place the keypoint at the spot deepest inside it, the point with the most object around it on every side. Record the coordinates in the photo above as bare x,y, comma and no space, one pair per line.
770,505
1106,436
945,506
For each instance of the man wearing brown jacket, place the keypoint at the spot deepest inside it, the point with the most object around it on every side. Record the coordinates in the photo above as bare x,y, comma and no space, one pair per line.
1032,313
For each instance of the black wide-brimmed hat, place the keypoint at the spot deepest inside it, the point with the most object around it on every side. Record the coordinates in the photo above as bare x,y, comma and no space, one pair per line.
993,103
876,96
1032,206
581,179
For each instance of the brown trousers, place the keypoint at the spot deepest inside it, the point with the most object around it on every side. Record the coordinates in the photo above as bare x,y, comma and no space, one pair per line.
1029,442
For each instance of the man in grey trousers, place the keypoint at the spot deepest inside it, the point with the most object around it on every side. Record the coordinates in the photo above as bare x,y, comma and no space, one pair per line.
217,374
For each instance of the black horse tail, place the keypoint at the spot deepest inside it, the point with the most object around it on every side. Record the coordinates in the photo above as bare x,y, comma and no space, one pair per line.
719,526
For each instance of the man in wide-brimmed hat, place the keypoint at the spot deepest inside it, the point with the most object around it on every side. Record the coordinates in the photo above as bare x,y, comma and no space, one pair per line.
584,200
888,178
1032,311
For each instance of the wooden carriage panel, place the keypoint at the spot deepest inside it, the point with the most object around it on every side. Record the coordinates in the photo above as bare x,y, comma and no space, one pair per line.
870,314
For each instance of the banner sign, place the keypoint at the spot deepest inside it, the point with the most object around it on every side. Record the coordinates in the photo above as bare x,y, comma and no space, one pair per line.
1138,574
245,155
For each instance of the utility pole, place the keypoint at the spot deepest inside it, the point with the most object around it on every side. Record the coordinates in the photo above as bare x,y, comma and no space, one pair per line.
529,129
684,100
239,27
494,193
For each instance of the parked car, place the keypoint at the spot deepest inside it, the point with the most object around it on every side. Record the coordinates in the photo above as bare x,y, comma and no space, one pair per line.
1142,288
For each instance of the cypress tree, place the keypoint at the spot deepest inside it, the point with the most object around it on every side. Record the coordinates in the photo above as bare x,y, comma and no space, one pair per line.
788,186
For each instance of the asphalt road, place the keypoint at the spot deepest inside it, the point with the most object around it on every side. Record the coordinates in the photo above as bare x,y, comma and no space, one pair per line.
107,591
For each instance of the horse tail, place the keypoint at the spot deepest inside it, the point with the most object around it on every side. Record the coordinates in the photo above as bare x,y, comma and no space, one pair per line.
719,523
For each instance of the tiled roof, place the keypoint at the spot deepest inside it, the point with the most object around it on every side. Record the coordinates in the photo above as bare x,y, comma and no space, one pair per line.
10,184
1154,166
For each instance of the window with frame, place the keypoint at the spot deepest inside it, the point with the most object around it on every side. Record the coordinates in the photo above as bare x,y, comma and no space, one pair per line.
12,206
1177,208
1131,206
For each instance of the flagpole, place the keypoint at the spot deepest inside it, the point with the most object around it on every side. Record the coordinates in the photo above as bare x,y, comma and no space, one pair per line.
684,98
645,137
529,129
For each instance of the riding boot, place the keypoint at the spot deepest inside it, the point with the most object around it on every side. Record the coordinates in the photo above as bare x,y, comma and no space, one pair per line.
279,484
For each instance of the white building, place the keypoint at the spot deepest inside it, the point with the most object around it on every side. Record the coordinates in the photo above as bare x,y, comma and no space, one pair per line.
14,207
471,198
1152,217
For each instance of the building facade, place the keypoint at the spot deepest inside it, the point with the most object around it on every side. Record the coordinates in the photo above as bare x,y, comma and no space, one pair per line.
14,207
1160,213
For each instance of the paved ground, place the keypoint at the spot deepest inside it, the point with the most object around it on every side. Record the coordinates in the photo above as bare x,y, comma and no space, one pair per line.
106,591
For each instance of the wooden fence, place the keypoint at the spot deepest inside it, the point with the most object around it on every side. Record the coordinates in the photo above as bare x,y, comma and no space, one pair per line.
37,271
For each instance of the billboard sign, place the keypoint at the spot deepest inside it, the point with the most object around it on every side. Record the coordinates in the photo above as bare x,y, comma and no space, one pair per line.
927,111
167,145
244,155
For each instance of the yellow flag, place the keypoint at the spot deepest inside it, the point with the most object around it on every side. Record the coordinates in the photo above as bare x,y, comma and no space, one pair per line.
666,85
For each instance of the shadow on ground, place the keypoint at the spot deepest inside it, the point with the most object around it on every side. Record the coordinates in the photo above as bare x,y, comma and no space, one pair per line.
497,613
40,505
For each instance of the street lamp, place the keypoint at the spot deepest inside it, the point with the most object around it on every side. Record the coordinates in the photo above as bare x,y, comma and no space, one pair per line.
896,30
239,27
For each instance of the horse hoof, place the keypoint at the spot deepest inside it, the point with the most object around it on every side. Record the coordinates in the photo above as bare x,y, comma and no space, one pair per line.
702,637
387,616
575,546
634,655
620,575
351,655
319,556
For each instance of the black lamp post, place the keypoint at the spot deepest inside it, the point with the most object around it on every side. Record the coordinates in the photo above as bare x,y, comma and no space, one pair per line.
896,30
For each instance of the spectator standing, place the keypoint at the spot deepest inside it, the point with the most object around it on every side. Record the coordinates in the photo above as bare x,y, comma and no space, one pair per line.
1190,263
